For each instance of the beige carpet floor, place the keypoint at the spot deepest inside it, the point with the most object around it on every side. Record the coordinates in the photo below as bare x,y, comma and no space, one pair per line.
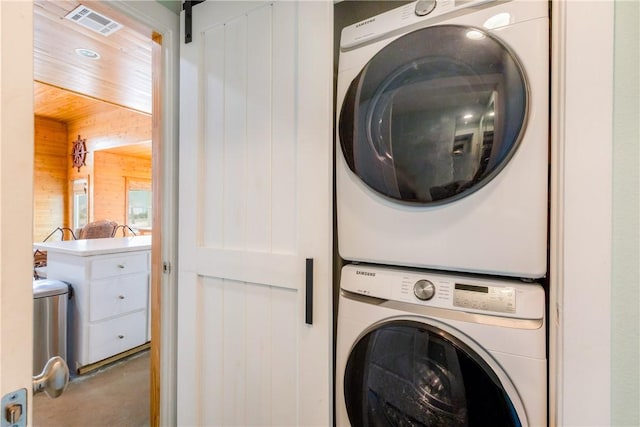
114,396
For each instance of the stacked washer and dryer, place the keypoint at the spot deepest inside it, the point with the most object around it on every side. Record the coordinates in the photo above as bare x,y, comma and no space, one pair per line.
441,197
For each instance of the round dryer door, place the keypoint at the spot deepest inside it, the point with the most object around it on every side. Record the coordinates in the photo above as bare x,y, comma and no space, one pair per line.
406,373
434,115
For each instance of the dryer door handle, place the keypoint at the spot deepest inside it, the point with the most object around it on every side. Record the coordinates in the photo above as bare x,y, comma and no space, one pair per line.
308,314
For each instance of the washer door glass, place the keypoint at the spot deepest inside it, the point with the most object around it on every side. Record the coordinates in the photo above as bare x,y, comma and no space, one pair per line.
411,374
435,115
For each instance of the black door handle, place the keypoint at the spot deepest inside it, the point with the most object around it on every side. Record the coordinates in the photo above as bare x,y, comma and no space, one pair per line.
308,317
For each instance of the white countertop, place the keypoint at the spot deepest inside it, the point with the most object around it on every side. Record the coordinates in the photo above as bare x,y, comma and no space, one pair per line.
88,247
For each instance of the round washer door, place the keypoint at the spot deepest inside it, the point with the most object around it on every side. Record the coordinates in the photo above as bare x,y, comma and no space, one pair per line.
435,115
408,373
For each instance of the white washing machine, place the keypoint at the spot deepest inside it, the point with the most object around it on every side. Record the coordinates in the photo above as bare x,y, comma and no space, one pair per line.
417,348
443,137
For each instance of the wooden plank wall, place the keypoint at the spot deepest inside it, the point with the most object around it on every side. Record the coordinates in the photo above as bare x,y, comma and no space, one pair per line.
51,164
106,172
111,129
110,172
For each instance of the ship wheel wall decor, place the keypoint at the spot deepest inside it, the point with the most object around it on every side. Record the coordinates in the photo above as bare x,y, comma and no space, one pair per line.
79,153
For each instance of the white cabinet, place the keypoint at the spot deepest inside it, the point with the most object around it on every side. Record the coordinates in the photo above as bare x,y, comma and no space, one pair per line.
118,285
113,336
109,310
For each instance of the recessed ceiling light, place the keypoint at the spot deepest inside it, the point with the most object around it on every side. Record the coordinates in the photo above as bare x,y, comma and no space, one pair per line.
88,53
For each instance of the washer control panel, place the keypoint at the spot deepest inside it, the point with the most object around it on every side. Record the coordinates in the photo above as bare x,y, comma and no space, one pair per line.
474,294
489,298
409,17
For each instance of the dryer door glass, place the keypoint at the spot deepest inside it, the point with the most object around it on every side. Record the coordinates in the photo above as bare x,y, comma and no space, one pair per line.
435,115
411,374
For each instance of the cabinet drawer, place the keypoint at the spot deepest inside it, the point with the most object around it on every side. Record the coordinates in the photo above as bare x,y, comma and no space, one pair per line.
116,335
115,296
117,265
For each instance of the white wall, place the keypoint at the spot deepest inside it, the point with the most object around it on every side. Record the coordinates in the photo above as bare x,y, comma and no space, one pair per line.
625,289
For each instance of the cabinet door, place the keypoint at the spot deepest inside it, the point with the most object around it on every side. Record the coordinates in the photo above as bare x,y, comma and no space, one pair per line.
114,296
116,335
255,203
119,264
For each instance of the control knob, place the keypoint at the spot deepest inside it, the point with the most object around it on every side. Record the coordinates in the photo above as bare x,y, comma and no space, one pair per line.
424,290
425,7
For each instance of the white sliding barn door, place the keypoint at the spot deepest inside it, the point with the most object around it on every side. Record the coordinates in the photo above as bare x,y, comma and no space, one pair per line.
255,204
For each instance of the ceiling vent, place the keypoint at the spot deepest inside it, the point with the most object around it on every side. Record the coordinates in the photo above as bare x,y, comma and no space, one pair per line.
93,20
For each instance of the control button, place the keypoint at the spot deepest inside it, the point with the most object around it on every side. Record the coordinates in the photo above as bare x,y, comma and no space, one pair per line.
424,290
425,7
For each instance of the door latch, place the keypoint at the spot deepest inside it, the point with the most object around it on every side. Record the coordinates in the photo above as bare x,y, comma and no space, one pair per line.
14,409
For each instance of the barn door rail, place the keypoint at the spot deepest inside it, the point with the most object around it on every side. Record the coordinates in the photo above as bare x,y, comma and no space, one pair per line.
188,14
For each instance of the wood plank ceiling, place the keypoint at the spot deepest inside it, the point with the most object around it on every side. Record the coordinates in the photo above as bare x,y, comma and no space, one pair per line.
69,86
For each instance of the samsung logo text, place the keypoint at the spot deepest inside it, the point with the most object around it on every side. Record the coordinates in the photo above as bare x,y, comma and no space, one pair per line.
365,273
368,21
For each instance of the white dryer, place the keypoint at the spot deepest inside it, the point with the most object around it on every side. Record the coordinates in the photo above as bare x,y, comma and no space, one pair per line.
443,137
417,348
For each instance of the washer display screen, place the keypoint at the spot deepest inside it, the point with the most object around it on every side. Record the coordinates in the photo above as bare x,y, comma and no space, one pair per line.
497,299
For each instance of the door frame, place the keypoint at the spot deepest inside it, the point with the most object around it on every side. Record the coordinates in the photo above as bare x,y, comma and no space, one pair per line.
580,278
16,302
166,28
16,209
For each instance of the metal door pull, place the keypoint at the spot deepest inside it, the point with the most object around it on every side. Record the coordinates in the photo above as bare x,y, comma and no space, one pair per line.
53,379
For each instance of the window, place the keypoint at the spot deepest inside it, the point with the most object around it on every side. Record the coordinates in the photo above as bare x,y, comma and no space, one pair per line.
80,203
139,203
